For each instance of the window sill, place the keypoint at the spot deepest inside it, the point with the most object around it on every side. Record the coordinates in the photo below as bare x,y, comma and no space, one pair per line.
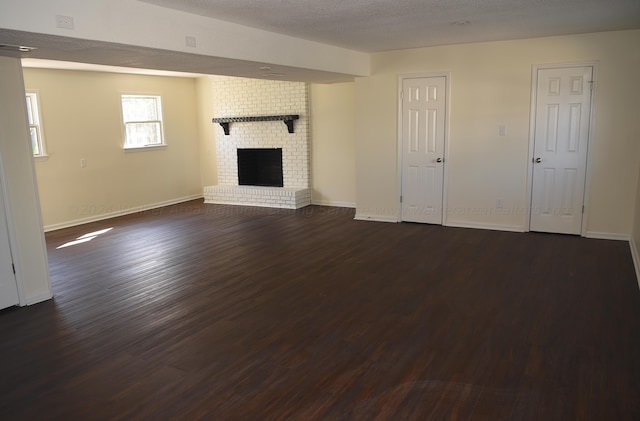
145,148
41,158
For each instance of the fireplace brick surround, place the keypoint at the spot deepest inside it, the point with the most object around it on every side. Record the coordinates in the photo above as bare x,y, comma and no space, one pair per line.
238,97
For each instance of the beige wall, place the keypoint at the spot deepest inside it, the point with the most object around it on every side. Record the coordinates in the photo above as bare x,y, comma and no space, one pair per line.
208,166
636,221
20,188
635,232
490,86
82,120
333,144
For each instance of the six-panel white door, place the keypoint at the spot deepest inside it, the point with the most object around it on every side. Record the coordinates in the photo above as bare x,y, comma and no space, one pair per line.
562,113
423,131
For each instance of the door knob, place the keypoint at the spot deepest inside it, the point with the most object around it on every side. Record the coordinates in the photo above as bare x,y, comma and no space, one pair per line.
537,160
439,160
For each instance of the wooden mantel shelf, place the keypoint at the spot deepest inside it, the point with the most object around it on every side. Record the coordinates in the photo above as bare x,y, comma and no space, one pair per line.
287,119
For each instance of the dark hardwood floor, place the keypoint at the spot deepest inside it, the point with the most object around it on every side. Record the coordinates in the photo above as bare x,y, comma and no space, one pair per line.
231,313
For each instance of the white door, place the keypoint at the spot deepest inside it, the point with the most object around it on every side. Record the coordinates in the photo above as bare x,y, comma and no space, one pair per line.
8,287
562,114
423,132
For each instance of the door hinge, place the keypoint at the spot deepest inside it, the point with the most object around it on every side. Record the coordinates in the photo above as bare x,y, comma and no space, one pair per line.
583,209
402,94
400,198
14,268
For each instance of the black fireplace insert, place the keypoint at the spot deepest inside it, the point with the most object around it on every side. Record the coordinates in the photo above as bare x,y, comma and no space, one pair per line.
260,167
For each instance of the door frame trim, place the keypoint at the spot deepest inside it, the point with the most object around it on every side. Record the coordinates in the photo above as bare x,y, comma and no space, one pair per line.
447,108
532,131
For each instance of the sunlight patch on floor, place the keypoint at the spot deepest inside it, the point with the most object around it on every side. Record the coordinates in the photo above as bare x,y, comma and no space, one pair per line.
84,238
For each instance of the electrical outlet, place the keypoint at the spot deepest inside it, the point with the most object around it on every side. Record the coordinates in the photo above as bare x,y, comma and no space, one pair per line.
500,203
83,163
502,130
190,41
64,22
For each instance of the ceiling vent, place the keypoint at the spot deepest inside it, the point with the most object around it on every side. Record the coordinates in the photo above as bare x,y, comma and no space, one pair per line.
16,48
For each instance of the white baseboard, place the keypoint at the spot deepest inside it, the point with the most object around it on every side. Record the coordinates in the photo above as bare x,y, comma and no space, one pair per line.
636,259
375,218
333,204
38,298
483,226
108,215
606,236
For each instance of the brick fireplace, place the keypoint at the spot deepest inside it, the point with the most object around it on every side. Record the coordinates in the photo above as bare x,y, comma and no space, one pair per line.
247,98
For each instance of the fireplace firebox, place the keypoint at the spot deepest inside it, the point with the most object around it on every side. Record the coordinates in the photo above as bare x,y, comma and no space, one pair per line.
260,167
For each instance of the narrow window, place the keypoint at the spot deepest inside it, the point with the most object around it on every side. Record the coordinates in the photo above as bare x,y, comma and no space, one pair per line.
35,126
142,118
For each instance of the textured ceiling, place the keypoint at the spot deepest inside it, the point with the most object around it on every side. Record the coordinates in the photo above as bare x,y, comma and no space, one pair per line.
381,25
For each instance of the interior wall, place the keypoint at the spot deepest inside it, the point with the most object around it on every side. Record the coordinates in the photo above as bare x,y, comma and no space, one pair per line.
207,132
635,233
636,224
20,188
491,86
81,117
333,154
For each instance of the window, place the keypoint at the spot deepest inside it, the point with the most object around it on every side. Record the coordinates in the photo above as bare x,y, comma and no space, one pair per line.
142,118
35,127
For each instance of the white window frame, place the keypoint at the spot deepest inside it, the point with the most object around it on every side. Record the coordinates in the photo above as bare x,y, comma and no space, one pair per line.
132,147
36,123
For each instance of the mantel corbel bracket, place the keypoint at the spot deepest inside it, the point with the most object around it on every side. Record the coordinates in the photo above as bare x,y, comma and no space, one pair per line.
225,127
289,124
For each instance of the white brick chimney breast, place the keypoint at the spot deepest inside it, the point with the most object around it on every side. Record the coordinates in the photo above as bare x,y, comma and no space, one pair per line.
241,97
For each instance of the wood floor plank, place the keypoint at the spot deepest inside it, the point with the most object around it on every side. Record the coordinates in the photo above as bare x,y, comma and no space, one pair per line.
198,311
